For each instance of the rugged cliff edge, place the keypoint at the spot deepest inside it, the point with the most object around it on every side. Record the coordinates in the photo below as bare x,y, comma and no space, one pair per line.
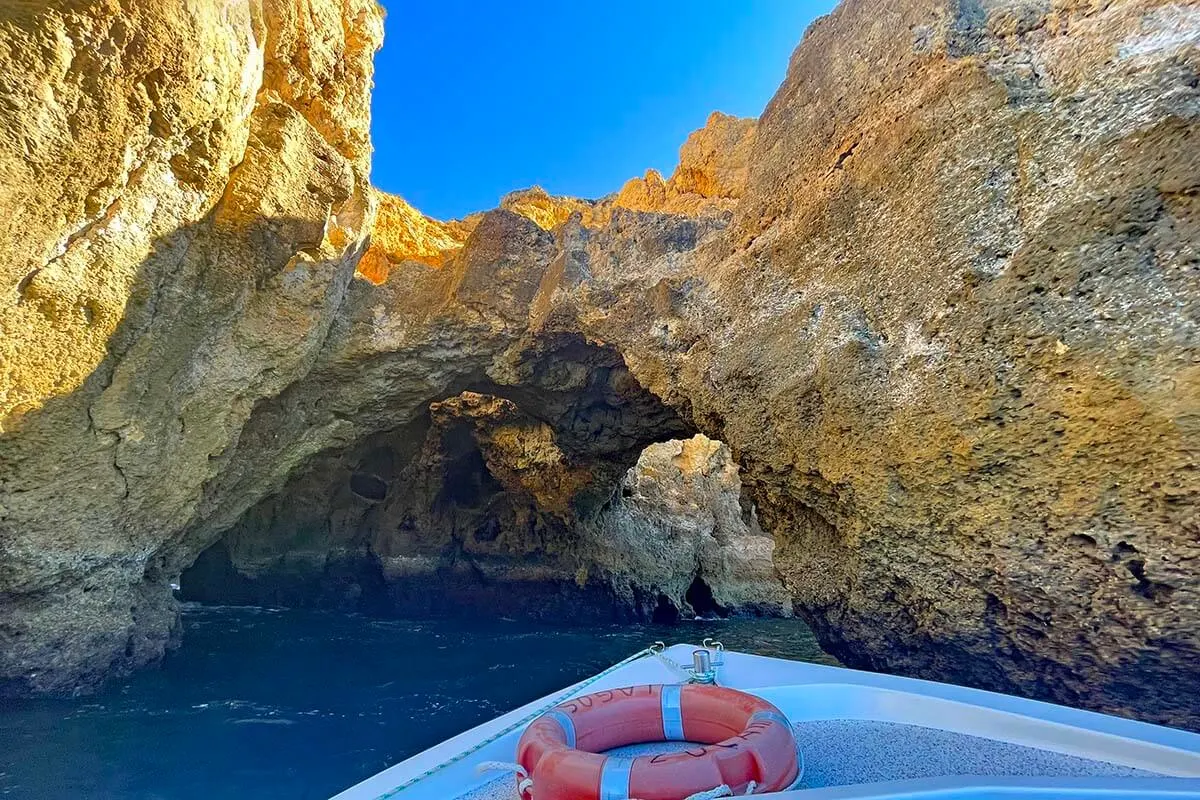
941,302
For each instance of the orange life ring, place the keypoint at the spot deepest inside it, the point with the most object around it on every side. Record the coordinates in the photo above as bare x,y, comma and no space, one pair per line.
740,738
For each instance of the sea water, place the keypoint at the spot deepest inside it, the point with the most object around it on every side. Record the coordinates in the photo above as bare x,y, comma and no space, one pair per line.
272,703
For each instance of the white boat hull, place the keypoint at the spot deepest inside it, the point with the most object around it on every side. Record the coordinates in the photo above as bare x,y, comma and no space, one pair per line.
875,736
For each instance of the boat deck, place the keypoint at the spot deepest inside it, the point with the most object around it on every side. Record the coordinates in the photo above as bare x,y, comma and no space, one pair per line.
846,752
864,735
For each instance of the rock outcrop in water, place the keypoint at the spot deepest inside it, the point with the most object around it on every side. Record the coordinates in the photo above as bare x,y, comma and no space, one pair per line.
941,302
680,531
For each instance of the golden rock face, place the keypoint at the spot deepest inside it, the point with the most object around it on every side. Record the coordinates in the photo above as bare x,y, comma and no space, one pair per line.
119,129
401,233
127,125
714,162
711,176
185,195
550,211
714,165
940,301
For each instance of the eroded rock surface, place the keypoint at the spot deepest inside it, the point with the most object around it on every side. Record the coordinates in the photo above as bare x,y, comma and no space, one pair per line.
185,198
941,302
679,530
488,514
951,334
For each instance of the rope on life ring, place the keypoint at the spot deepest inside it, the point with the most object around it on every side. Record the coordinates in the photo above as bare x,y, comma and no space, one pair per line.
524,782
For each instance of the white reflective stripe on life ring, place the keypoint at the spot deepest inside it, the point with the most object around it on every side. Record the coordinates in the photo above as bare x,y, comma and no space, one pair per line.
614,778
564,722
672,713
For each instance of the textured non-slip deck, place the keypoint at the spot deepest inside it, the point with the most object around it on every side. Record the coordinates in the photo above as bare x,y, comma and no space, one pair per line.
841,752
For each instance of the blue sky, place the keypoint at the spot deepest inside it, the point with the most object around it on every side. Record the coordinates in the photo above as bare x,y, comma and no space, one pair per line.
475,99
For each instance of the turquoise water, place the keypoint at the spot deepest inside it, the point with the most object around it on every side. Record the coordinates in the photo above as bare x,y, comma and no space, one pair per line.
270,703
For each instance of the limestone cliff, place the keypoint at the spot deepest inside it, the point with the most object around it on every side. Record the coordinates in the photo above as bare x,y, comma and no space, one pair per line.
952,336
941,302
185,196
402,233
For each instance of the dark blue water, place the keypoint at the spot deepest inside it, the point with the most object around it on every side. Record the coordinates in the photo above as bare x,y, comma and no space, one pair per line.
300,704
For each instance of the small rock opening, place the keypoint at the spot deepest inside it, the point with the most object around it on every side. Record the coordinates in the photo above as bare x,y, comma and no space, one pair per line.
700,597
665,612
467,482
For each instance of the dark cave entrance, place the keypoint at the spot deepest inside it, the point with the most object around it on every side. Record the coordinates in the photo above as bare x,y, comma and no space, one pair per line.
472,507
665,612
572,496
368,486
700,597
468,482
